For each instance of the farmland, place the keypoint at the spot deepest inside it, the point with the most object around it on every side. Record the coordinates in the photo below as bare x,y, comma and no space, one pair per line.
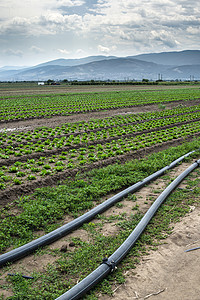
63,153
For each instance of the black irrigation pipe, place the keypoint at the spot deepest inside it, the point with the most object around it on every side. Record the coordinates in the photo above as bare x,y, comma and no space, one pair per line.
109,264
49,238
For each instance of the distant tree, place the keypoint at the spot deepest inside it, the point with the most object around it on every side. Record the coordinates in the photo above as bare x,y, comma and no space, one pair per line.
49,81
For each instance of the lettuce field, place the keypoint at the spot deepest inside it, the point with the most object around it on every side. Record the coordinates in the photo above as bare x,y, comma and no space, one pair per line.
55,156
31,156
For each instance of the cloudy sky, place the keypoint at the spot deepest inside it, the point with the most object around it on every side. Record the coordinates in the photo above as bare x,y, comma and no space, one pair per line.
35,31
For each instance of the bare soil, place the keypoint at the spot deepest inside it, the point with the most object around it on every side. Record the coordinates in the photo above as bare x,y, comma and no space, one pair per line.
34,89
169,272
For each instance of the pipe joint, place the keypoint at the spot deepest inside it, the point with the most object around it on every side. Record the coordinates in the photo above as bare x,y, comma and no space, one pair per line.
198,162
111,264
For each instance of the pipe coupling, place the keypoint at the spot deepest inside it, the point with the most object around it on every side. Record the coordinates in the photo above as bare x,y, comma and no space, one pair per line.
111,264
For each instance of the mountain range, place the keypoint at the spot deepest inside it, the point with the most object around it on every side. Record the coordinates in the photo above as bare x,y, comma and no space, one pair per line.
182,65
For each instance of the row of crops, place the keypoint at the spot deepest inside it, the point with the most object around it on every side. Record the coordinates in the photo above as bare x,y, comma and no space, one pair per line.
96,125
32,155
26,107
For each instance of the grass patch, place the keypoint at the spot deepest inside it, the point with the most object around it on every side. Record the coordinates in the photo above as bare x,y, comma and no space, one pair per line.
48,205
74,266
45,209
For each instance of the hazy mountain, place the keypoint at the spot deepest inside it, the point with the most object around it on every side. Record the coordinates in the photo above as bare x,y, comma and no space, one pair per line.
117,69
187,71
11,68
187,57
172,65
75,61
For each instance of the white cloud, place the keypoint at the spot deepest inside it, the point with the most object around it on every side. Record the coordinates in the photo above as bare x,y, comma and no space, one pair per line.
80,52
69,3
164,38
108,17
36,49
53,17
64,51
103,49
194,31
118,27
12,52
46,24
14,25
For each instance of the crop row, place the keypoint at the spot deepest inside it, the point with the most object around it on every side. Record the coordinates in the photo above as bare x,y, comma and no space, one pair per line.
16,108
89,137
96,125
32,169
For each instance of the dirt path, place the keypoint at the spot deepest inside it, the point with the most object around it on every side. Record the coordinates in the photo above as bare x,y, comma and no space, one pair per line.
170,272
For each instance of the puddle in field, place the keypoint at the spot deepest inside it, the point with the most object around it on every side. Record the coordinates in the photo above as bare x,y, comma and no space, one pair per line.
14,129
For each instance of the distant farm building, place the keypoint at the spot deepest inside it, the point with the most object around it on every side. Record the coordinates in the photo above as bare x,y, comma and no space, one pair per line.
41,83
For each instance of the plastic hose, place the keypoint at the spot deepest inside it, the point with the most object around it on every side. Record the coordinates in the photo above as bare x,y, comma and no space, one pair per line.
51,237
192,249
109,264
